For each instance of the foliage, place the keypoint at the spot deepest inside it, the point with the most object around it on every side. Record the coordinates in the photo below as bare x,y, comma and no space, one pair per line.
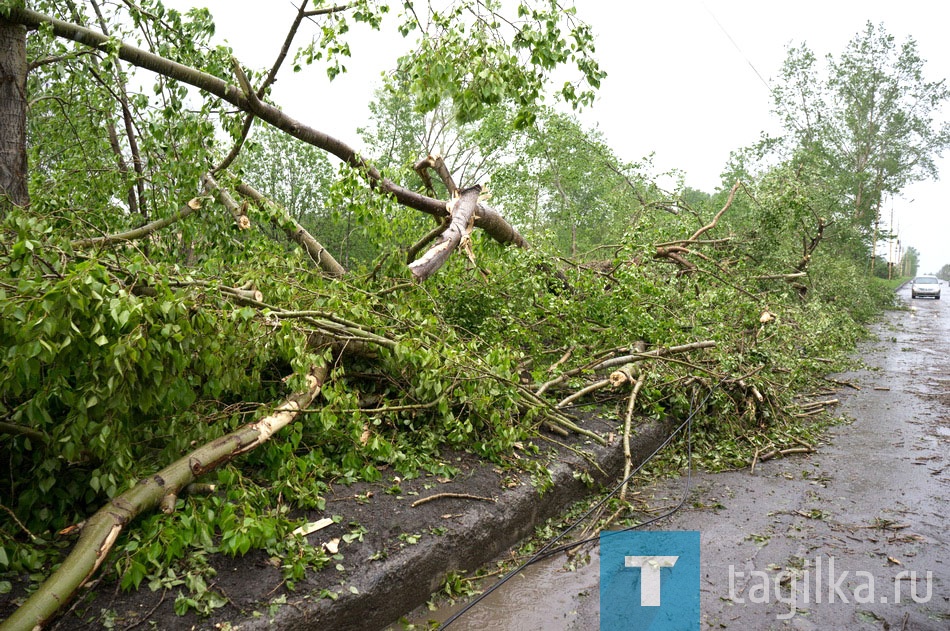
476,58
910,262
399,136
567,187
330,203
118,359
294,174
867,123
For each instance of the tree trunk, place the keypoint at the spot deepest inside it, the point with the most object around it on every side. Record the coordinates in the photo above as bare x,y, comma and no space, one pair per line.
487,218
13,188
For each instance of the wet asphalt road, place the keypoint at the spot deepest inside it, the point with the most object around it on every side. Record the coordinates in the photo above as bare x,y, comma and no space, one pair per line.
874,501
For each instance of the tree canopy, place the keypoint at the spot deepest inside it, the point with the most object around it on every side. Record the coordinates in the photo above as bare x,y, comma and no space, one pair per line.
869,120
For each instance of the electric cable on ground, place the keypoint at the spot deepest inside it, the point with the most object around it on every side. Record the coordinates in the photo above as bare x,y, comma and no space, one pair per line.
546,550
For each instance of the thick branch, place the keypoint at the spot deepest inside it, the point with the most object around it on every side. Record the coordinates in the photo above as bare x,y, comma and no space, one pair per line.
657,352
810,245
625,359
327,10
488,219
673,254
427,239
628,421
101,530
238,212
712,224
295,232
782,276
142,231
15,429
675,250
13,158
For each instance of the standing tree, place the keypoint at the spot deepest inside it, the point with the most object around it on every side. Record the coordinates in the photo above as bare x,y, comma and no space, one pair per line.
870,124
569,186
13,67
910,262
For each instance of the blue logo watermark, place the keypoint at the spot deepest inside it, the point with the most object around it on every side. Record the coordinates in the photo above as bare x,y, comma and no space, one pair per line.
649,581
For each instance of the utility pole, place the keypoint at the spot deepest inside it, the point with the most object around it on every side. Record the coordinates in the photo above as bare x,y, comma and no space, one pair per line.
890,245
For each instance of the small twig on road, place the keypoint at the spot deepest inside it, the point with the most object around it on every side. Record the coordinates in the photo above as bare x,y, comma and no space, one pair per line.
815,407
768,455
589,458
784,452
843,383
755,459
148,614
819,404
802,443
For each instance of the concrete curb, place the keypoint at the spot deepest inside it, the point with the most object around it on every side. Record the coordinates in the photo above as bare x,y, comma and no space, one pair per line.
390,589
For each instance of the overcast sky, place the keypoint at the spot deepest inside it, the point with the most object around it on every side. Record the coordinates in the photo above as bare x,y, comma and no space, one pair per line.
687,80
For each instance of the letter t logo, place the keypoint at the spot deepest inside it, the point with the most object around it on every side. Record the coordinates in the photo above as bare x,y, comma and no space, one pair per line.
649,576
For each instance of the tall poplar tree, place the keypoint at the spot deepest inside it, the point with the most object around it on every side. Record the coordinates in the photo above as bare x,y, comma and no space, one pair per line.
871,122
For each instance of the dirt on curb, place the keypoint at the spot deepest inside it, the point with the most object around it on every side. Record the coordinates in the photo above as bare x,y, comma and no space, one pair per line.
411,534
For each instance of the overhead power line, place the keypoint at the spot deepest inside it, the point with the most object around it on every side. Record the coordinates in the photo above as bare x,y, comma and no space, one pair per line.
737,47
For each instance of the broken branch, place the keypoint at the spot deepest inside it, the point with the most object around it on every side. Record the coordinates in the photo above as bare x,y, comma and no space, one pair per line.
628,422
294,231
458,496
102,529
452,238
238,212
141,231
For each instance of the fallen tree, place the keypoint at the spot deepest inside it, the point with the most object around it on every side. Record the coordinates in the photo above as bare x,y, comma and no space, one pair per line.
130,340
247,100
99,533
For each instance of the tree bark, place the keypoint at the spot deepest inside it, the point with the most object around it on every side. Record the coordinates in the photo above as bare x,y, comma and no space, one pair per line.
13,180
99,533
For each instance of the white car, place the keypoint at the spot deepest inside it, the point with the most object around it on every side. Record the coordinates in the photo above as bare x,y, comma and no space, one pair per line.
925,286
